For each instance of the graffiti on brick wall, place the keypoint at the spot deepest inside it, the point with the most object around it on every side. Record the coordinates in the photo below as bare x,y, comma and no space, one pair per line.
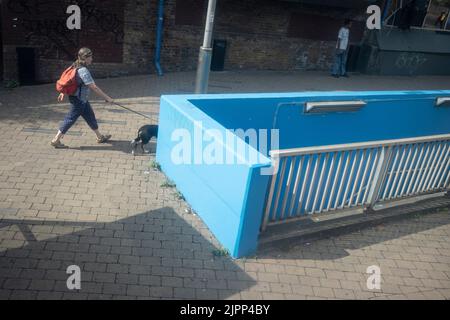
46,19
410,61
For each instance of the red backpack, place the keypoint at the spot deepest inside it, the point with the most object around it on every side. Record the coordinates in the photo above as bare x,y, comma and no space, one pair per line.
67,83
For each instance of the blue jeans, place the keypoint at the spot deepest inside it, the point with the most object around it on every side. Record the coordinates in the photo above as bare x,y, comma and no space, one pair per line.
340,62
79,108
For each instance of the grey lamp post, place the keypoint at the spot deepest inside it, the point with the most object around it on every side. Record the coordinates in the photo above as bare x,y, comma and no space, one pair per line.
204,57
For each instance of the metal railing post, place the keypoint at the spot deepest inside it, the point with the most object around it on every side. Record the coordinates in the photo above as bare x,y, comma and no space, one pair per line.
447,194
268,204
379,177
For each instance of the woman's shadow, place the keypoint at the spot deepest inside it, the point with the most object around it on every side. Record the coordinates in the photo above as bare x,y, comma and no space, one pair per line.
122,146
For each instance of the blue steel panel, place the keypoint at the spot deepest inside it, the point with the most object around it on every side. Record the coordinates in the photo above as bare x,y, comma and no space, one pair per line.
388,115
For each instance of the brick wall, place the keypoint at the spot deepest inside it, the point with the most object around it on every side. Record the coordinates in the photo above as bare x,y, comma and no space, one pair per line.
257,35
120,33
260,34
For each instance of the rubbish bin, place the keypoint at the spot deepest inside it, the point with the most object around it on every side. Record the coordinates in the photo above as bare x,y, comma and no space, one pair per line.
218,55
26,60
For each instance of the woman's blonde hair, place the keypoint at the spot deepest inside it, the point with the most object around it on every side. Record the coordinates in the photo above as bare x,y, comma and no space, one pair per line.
83,54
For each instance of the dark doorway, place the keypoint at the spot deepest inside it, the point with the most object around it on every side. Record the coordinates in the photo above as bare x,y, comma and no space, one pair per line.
352,58
27,65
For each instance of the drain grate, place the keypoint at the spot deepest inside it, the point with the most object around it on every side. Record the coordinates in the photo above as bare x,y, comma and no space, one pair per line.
50,131
122,123
9,210
116,111
219,86
125,111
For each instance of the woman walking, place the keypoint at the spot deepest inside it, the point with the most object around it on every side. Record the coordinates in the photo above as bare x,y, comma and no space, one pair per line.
80,105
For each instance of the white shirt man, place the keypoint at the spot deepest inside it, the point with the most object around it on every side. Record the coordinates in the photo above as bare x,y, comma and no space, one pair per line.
340,59
343,36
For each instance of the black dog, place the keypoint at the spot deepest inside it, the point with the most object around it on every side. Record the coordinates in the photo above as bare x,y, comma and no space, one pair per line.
145,134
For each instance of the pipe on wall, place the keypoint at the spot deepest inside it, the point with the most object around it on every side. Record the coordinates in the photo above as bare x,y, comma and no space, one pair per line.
387,5
159,30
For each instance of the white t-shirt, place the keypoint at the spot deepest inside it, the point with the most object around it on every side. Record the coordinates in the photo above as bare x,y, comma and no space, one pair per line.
343,36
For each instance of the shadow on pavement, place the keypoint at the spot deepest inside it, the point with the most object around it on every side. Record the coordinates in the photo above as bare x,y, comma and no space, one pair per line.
153,255
32,115
119,145
337,246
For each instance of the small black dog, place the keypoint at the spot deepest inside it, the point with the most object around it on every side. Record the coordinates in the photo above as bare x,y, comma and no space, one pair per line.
145,134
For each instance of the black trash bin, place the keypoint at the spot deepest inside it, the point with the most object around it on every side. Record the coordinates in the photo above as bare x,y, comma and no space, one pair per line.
26,60
218,55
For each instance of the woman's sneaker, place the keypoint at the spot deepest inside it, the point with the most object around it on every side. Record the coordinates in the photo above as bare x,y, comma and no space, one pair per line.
58,145
104,138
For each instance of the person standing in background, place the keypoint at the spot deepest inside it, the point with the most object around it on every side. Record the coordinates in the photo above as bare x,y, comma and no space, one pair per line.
340,59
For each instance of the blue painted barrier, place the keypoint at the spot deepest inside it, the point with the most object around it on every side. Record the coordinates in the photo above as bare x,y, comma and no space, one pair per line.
230,197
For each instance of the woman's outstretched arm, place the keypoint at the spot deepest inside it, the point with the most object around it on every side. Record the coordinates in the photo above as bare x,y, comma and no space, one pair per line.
100,92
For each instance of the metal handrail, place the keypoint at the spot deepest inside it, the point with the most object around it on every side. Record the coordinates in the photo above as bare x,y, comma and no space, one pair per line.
443,101
356,145
336,177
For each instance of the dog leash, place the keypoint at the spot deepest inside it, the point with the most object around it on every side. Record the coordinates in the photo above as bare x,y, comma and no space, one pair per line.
143,115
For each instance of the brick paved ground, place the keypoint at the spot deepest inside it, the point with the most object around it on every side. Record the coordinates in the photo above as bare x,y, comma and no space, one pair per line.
98,207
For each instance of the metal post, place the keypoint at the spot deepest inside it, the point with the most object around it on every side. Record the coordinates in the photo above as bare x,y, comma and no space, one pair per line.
387,6
447,21
204,57
159,31
276,164
425,18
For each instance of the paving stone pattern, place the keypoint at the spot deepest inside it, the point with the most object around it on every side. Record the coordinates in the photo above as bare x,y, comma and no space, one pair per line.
98,207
